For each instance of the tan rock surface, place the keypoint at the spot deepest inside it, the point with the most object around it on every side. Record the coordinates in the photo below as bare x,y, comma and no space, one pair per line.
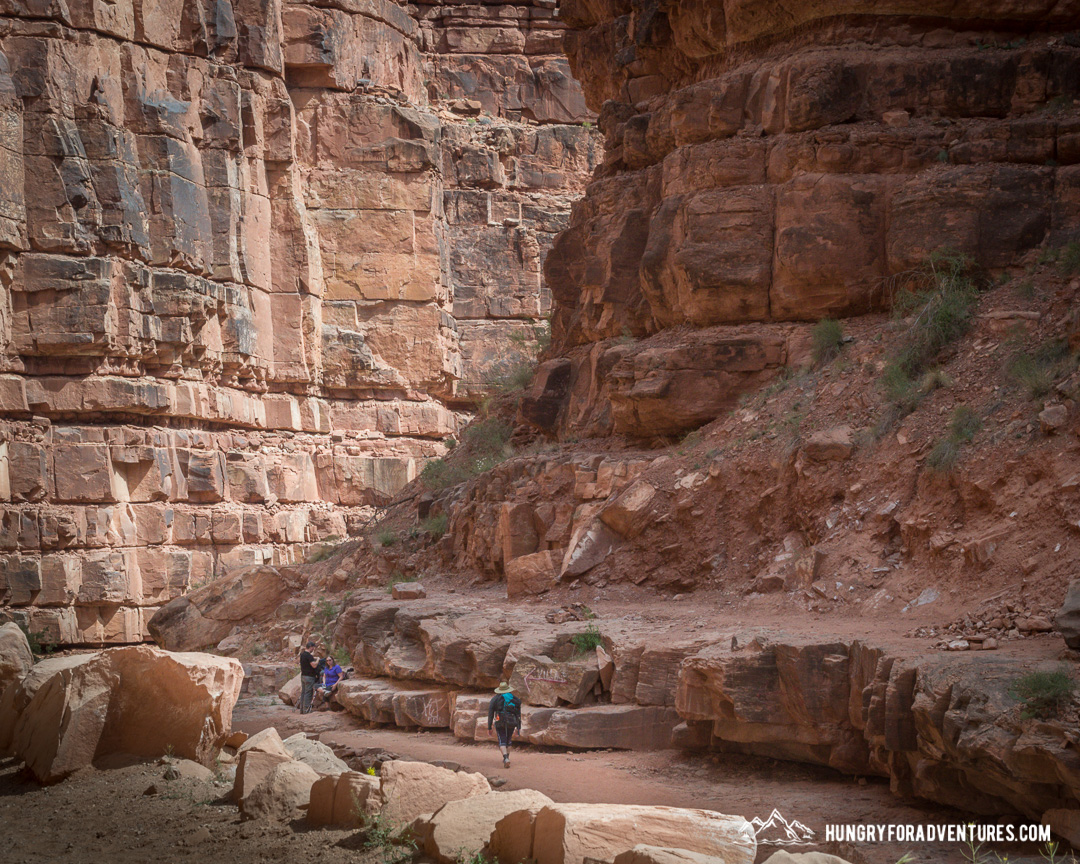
283,794
569,833
15,656
410,789
465,826
141,701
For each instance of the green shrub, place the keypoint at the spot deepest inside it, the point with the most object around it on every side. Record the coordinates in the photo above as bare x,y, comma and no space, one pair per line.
439,474
1037,371
962,428
258,650
435,525
386,537
1044,694
34,638
588,641
1069,259
940,298
397,578
341,654
488,437
387,839
827,338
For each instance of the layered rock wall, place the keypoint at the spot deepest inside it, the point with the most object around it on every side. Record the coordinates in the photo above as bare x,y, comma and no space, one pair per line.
255,258
779,162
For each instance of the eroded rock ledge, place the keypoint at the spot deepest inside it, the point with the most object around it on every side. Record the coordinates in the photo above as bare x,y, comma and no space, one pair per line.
940,727
769,162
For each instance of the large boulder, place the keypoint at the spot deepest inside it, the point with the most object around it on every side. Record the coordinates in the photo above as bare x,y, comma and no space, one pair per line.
255,759
344,799
207,615
314,754
1067,621
410,789
461,828
290,691
283,794
139,700
570,833
15,655
542,681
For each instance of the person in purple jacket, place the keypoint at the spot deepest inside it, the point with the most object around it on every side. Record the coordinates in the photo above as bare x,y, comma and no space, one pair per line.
331,675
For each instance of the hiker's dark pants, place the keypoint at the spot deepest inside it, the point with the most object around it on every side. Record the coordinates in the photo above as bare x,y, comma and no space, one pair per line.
505,733
307,691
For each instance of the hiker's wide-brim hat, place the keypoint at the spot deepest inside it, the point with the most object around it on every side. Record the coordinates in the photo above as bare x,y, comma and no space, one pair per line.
503,688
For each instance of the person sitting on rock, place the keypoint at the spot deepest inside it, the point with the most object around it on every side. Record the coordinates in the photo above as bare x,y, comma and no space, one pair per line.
309,675
505,710
331,677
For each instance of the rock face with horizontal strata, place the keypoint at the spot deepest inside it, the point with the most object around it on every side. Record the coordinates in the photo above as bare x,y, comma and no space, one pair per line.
770,163
253,257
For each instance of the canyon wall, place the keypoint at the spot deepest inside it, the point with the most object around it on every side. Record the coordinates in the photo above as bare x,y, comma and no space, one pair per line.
769,162
256,258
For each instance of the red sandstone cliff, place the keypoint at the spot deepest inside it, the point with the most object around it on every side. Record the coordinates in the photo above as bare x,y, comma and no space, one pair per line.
256,258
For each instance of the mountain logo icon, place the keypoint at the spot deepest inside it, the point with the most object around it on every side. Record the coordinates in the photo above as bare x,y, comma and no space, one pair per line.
778,831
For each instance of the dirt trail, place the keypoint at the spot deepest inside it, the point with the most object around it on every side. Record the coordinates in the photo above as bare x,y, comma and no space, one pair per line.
727,783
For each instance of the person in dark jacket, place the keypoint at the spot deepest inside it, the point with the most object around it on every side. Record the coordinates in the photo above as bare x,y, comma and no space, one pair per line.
309,675
504,712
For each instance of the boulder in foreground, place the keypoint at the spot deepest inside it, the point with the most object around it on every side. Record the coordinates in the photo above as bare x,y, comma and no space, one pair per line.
15,656
410,789
461,828
570,833
140,700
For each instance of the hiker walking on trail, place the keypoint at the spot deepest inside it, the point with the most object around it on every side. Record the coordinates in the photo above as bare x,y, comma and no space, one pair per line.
309,674
505,711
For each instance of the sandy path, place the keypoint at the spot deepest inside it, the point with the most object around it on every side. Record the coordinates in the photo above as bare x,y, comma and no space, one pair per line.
748,786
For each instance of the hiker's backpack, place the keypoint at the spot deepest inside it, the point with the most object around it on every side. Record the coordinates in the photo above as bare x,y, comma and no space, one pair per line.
509,712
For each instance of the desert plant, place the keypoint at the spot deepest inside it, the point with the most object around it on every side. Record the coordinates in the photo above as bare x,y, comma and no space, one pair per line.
258,650
477,856
827,339
1036,371
35,639
936,301
386,537
940,299
1069,258
325,612
387,839
397,578
435,525
1043,693
962,428
588,641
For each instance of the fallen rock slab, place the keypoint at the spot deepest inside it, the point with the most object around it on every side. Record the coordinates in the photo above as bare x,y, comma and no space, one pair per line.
570,833
283,794
461,828
16,659
207,615
411,789
140,700
290,691
314,754
344,799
